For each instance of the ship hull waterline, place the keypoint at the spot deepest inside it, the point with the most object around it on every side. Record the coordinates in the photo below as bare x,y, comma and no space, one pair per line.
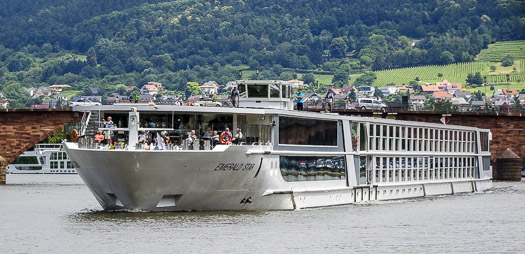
226,180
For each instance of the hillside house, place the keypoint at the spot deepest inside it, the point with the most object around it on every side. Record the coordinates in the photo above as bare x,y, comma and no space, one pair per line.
210,87
43,91
460,103
430,89
442,86
463,94
478,105
453,87
388,90
347,89
510,91
296,83
417,102
366,91
56,89
158,85
149,89
442,95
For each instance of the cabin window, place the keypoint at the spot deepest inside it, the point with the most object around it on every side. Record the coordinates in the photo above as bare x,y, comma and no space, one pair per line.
312,168
258,91
25,160
355,136
274,91
242,91
299,131
484,141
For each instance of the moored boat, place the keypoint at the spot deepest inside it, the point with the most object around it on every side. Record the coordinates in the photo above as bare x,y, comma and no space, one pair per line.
284,160
42,159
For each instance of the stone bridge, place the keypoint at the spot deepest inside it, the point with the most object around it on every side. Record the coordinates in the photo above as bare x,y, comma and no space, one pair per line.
21,129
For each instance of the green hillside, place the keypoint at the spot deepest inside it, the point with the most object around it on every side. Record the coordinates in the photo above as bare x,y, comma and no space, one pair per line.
88,43
495,52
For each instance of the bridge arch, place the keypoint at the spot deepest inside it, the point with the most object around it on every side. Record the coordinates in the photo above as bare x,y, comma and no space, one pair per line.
21,129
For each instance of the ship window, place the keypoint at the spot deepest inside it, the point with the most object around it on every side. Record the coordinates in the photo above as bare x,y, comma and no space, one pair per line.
258,91
25,160
312,168
298,131
242,91
274,91
484,141
355,137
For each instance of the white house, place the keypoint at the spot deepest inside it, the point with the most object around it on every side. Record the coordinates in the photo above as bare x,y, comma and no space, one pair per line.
365,91
388,90
210,87
149,89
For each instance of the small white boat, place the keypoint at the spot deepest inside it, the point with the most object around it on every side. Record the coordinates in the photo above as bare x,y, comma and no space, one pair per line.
42,159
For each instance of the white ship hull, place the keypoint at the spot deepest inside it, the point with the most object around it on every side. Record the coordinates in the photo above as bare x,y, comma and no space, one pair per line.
195,180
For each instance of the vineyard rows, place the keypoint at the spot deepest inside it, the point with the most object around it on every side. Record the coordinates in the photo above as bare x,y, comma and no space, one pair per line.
455,73
495,52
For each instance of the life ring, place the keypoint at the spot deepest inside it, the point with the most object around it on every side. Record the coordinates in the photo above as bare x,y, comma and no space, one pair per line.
356,140
74,135
226,137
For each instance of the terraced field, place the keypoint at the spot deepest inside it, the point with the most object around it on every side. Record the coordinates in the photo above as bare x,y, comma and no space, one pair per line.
456,73
495,52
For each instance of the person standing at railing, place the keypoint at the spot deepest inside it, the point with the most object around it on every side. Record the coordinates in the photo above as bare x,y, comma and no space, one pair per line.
329,100
299,98
108,124
235,97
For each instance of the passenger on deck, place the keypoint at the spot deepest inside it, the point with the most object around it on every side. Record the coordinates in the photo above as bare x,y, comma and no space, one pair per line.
165,137
235,97
208,134
191,137
99,137
215,138
142,137
151,124
237,139
107,134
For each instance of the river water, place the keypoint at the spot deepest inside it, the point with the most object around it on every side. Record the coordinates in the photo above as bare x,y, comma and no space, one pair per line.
58,214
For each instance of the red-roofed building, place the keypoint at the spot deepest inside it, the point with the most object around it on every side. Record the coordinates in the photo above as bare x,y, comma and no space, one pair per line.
130,88
442,86
442,95
453,87
510,91
429,89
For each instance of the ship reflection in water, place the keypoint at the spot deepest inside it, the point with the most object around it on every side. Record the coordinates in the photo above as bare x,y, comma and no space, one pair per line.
58,214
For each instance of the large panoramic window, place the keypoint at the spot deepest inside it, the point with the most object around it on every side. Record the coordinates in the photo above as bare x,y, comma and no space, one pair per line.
258,91
299,131
312,168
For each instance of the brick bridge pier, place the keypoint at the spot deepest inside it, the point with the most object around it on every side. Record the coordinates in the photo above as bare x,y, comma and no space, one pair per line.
21,129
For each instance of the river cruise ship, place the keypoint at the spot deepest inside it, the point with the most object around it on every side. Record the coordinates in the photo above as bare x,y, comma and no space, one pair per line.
42,159
285,160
